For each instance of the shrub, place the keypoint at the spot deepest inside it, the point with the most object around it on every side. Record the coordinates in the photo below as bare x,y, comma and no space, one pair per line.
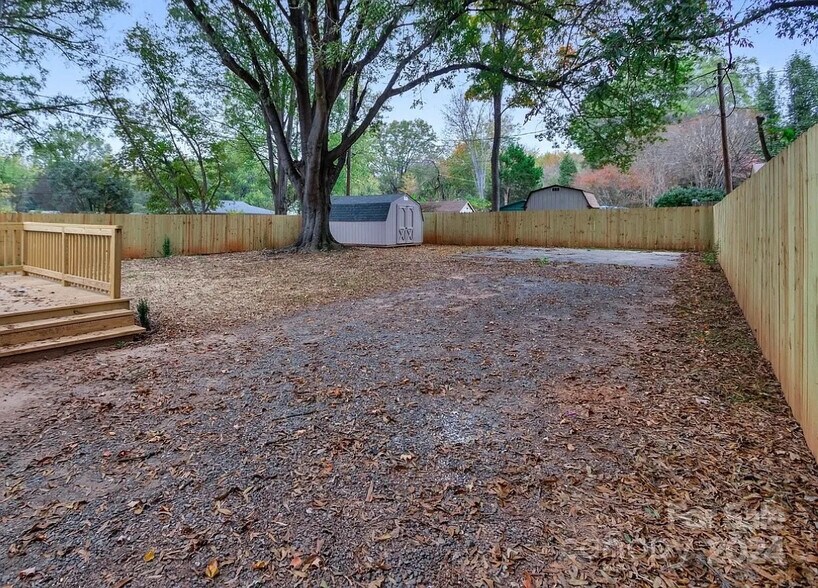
166,251
686,196
143,313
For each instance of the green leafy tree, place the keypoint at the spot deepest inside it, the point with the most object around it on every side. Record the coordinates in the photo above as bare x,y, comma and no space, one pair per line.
81,186
361,161
16,176
568,170
802,85
455,177
244,173
773,132
519,173
168,134
374,51
62,143
328,50
246,117
688,197
399,145
30,30
701,91
76,173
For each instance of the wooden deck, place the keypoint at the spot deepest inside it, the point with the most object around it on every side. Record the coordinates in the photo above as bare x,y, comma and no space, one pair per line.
39,316
19,293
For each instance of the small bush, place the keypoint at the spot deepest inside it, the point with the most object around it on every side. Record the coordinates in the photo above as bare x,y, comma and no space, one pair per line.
143,313
543,261
686,196
711,258
166,250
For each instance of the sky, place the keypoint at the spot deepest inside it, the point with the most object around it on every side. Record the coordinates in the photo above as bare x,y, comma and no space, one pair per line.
770,52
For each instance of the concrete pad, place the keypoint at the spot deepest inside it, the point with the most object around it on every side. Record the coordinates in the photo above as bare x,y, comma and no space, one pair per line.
646,259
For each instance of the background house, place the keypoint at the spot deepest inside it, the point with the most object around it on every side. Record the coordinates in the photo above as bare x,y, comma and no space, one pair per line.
238,207
384,221
461,206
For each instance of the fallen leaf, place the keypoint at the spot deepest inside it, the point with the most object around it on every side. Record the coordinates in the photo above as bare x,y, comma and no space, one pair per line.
261,565
149,555
136,506
212,569
222,509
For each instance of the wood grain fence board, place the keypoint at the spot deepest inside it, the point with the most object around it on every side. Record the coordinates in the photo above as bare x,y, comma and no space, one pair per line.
143,235
767,233
669,229
676,229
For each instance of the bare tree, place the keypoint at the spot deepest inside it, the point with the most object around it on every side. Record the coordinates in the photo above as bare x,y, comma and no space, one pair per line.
468,122
690,153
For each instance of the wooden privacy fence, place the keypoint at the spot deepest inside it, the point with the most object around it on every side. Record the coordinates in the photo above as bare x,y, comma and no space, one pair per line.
767,234
194,234
678,229
648,228
81,255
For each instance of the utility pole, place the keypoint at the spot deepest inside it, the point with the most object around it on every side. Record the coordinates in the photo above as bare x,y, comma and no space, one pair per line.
725,149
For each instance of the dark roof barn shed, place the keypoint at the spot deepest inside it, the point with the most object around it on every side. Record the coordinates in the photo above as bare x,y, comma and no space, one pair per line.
385,220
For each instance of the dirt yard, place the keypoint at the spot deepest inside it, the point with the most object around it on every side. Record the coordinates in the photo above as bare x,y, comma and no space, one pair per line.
413,417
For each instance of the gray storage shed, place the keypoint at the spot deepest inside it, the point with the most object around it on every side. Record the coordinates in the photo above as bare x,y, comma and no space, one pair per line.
382,221
557,197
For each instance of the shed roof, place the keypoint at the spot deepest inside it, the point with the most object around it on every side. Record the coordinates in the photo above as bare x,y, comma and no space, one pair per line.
519,205
228,206
589,197
445,206
362,208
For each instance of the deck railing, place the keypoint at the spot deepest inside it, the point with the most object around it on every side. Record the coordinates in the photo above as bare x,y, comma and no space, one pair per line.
89,256
11,239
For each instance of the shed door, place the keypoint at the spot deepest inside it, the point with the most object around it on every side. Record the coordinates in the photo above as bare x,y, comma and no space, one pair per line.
406,224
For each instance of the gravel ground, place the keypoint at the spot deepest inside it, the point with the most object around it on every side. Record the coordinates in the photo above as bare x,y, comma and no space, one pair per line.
410,418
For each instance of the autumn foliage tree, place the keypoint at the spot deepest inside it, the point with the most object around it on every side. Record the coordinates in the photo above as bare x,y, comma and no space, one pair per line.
614,187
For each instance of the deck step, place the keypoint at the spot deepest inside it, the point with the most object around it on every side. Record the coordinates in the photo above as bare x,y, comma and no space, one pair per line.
61,311
68,343
63,326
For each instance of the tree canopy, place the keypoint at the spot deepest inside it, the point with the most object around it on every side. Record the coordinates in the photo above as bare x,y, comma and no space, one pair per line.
519,173
30,30
282,103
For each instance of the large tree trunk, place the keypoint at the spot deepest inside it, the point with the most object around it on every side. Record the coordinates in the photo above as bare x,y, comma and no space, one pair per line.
315,234
497,100
319,177
281,190
276,173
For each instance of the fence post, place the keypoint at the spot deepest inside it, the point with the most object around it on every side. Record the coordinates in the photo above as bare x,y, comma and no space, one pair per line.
64,258
115,261
23,248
